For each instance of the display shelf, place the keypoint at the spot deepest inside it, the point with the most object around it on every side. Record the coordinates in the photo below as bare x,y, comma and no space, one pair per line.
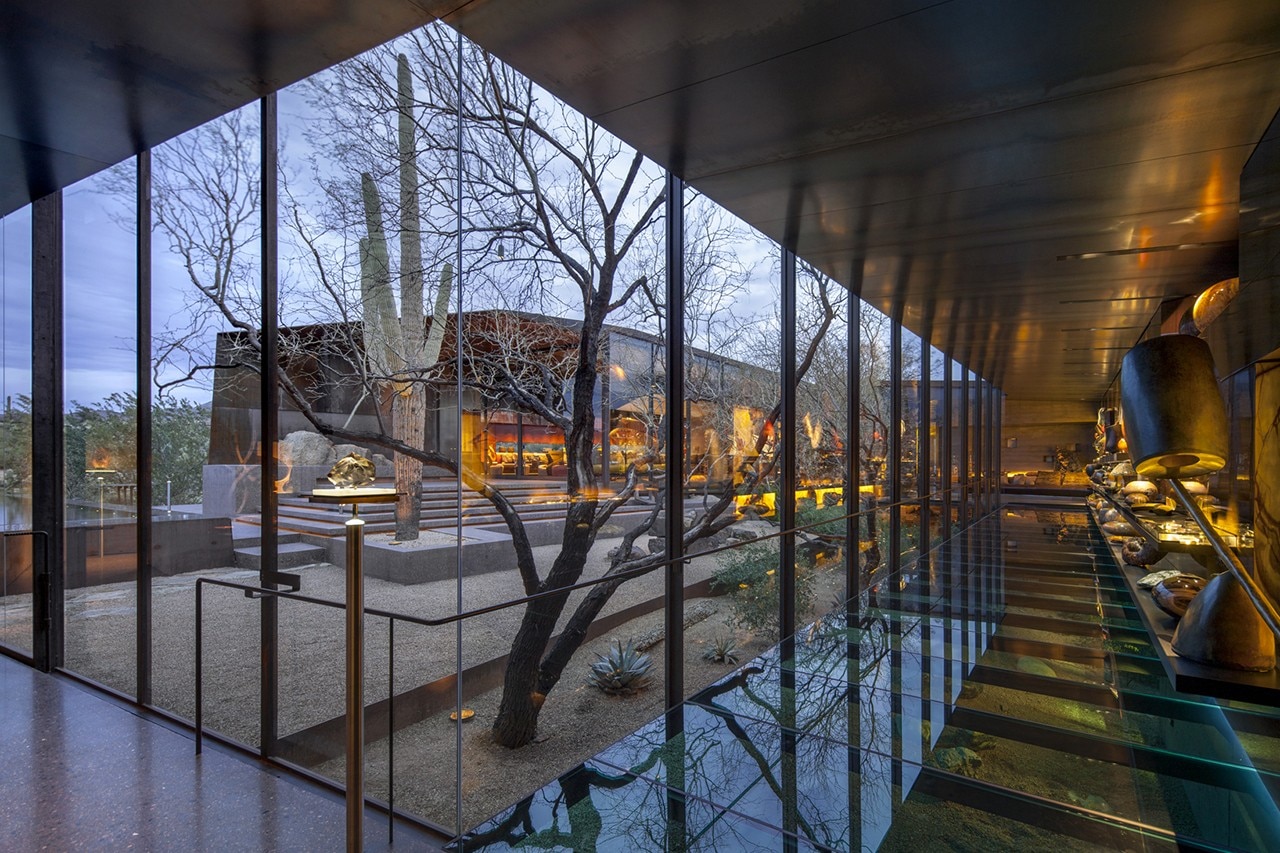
1188,676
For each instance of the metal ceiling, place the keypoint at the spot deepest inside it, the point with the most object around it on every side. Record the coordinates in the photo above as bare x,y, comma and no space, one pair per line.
987,169
958,157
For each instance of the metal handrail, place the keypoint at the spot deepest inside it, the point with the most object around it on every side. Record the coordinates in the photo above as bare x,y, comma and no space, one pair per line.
250,591
257,591
1257,596
560,590
44,574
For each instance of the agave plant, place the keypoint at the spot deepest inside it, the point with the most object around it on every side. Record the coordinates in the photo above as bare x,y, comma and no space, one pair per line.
622,669
724,649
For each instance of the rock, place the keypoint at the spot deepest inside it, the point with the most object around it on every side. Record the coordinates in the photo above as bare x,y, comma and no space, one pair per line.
957,759
1089,801
1141,552
693,614
1148,581
635,554
306,448
341,450
1035,666
1174,594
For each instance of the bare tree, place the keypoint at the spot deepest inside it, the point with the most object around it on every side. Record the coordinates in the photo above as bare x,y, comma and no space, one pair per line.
559,218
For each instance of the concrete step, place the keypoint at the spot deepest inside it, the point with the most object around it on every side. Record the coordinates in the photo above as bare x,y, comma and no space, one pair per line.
291,555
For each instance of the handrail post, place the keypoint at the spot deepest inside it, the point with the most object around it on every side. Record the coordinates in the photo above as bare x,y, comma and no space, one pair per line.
199,665
355,681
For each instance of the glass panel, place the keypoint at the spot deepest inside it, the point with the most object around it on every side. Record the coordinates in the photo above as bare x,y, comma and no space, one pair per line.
560,416
909,430
732,447
931,433
206,438
877,418
822,431
100,427
15,429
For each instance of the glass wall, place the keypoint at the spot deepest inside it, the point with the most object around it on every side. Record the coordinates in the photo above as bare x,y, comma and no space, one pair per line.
100,427
733,434
206,441
15,430
479,307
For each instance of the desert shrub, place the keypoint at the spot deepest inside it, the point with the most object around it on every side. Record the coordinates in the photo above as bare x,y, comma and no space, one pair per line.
750,578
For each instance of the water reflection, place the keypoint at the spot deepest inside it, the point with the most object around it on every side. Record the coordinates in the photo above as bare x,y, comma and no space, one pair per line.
983,709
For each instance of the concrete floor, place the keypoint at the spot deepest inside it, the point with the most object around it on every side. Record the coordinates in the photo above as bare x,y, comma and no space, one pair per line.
79,771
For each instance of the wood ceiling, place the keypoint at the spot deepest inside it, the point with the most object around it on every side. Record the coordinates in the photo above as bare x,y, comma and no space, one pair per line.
1022,181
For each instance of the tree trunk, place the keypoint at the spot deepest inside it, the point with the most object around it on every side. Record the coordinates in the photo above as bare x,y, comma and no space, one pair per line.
408,424
517,721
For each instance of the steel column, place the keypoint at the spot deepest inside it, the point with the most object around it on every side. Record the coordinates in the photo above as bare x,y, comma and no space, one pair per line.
924,437
852,446
673,647
965,447
47,462
786,431
947,451
270,403
673,613
894,449
979,498
146,499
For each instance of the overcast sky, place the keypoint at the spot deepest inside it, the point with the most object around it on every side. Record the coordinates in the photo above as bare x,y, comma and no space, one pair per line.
99,257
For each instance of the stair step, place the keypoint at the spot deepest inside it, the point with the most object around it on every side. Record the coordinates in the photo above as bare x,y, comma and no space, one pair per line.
291,555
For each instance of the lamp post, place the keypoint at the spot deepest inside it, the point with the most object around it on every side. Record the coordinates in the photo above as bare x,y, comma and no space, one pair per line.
355,646
101,473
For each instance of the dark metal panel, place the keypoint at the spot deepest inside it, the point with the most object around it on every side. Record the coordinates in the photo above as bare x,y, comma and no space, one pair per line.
1125,130
146,500
47,487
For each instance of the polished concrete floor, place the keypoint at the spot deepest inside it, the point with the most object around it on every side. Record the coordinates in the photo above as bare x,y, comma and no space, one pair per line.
79,771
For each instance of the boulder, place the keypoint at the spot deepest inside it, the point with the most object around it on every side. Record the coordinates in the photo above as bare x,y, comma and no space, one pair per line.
306,448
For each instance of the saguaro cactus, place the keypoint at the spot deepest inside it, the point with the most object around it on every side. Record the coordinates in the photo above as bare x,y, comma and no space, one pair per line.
399,348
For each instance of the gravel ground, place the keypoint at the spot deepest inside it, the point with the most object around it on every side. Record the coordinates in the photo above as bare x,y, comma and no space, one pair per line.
576,722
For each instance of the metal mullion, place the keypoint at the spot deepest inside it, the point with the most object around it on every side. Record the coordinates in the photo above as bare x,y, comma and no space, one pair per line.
143,437
786,431
979,498
47,451
673,591
964,447
924,435
894,450
673,648
947,451
270,402
853,441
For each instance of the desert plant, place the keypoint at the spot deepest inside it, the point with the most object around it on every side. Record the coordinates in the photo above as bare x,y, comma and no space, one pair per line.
750,577
724,649
621,670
